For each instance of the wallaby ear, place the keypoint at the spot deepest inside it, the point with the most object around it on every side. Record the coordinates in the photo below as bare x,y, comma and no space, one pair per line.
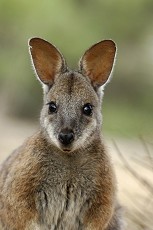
46,59
97,62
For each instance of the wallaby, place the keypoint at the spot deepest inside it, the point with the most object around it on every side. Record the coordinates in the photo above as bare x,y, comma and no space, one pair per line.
62,177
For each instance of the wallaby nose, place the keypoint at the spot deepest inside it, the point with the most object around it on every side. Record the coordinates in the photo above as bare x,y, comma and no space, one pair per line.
66,136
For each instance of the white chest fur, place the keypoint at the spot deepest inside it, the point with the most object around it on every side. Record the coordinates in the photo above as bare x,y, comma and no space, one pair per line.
63,207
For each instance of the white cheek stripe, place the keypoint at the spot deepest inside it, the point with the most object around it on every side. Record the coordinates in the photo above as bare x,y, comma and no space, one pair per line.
50,131
85,135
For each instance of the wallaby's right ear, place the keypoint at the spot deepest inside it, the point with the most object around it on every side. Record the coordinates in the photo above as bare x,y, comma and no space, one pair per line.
47,60
97,62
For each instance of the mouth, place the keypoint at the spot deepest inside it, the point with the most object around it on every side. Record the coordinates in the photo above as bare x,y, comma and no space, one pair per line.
66,148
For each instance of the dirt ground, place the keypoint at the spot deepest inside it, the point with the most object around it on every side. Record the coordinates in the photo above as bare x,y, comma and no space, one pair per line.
131,193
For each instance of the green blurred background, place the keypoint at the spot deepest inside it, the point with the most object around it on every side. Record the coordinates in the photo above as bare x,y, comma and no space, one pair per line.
73,26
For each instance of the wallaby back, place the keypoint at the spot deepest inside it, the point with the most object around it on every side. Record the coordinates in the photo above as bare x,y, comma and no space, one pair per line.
61,177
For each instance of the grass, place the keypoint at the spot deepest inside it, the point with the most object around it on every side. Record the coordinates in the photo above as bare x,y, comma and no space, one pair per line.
139,211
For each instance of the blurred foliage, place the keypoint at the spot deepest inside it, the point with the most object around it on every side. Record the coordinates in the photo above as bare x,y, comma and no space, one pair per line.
73,26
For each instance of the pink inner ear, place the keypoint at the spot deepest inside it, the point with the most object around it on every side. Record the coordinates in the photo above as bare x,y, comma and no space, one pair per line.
47,60
97,62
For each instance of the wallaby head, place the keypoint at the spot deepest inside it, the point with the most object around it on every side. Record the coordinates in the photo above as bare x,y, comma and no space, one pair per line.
71,114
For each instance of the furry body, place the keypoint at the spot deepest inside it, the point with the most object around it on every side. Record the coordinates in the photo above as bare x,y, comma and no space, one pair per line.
61,177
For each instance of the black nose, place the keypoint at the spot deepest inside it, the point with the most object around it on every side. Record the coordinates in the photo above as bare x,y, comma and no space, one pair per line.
66,136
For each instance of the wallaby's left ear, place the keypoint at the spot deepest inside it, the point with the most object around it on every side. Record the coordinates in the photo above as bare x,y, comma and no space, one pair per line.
97,62
47,60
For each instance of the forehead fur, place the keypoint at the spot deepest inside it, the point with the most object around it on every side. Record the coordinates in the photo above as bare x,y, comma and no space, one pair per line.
72,85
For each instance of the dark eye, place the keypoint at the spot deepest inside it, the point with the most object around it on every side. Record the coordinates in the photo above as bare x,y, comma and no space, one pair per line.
87,109
52,107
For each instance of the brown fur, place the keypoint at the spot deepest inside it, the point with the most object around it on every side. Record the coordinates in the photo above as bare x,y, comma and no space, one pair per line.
47,185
